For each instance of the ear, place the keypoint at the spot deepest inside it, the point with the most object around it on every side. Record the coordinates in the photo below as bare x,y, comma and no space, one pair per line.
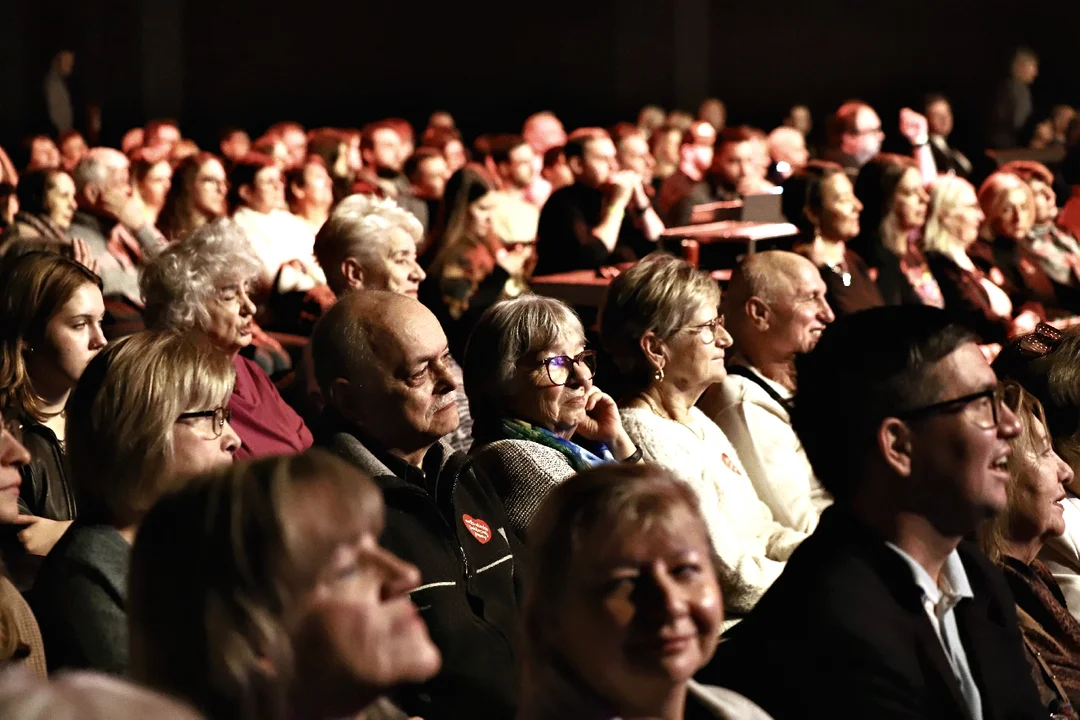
92,193
654,349
367,155
576,165
342,397
758,313
353,273
812,216
245,192
894,444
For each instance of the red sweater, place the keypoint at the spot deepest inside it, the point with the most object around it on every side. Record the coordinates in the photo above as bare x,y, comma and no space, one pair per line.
265,424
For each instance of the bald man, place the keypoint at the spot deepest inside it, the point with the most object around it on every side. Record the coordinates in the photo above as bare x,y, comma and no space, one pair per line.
774,309
383,366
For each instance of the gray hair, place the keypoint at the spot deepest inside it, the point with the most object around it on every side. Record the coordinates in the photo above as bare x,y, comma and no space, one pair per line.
507,332
659,294
357,229
179,283
95,167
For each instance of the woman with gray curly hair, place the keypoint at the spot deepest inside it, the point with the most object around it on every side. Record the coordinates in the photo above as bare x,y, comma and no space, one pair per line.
203,283
537,416
660,322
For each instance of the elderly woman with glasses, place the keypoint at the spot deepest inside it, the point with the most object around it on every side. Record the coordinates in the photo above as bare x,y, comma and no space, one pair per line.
1015,540
537,417
660,323
202,283
147,413
1046,363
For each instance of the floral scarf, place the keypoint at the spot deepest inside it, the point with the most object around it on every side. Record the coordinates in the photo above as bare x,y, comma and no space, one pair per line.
580,459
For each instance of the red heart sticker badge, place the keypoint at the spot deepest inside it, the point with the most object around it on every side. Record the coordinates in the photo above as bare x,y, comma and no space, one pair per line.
478,528
731,464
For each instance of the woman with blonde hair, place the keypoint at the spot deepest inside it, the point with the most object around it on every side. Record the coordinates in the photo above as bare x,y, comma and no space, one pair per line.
972,296
1015,539
660,322
1009,207
623,605
472,267
283,605
52,311
148,412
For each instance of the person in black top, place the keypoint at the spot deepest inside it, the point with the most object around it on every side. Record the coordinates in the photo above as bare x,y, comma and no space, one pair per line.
604,218
886,611
832,211
383,365
939,119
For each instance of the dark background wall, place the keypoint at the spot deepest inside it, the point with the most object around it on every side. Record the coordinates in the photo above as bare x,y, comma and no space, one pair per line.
249,62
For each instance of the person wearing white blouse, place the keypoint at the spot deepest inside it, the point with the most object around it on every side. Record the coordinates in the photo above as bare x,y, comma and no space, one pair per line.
660,324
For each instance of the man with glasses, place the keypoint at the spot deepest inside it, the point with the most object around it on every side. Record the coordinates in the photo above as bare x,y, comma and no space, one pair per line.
776,309
854,135
885,611
383,365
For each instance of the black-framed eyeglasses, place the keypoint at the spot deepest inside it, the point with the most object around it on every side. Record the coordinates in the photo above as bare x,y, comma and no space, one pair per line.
560,367
219,416
984,408
708,331
1040,343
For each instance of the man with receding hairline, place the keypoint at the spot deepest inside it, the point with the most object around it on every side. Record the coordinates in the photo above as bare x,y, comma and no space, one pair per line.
382,363
774,309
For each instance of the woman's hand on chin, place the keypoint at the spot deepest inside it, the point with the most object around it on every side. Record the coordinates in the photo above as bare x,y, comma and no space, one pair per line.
602,423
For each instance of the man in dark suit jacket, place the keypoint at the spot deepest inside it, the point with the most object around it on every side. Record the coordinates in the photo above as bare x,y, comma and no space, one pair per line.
939,119
884,612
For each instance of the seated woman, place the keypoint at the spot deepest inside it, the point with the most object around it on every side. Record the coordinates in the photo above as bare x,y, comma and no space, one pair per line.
1044,363
1058,252
46,207
833,211
151,177
202,283
20,639
890,188
472,268
1009,207
148,412
971,295
196,196
661,327
1015,539
283,604
537,417
623,605
52,311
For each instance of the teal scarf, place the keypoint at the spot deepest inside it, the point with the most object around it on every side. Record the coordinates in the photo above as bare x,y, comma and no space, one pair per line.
580,459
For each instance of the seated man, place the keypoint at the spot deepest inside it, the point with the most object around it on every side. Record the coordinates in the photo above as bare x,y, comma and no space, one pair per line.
370,244
381,361
939,120
382,149
686,187
604,218
774,309
112,222
886,611
428,172
854,137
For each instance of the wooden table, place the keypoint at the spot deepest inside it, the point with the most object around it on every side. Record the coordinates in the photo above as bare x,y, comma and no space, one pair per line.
585,288
733,231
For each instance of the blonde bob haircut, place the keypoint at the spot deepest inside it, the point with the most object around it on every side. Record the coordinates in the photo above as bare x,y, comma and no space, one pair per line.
943,194
212,617
659,294
121,414
36,286
179,284
994,193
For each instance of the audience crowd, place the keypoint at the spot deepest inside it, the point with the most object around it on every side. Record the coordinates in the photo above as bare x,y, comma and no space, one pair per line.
295,428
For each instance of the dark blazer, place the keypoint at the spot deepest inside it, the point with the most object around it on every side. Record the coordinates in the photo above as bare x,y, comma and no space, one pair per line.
80,600
843,633
1025,280
966,299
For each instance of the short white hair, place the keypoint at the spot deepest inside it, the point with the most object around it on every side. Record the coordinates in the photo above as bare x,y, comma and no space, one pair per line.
782,139
357,228
94,168
179,283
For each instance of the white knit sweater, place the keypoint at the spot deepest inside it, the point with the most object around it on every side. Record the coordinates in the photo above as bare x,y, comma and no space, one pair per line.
753,547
